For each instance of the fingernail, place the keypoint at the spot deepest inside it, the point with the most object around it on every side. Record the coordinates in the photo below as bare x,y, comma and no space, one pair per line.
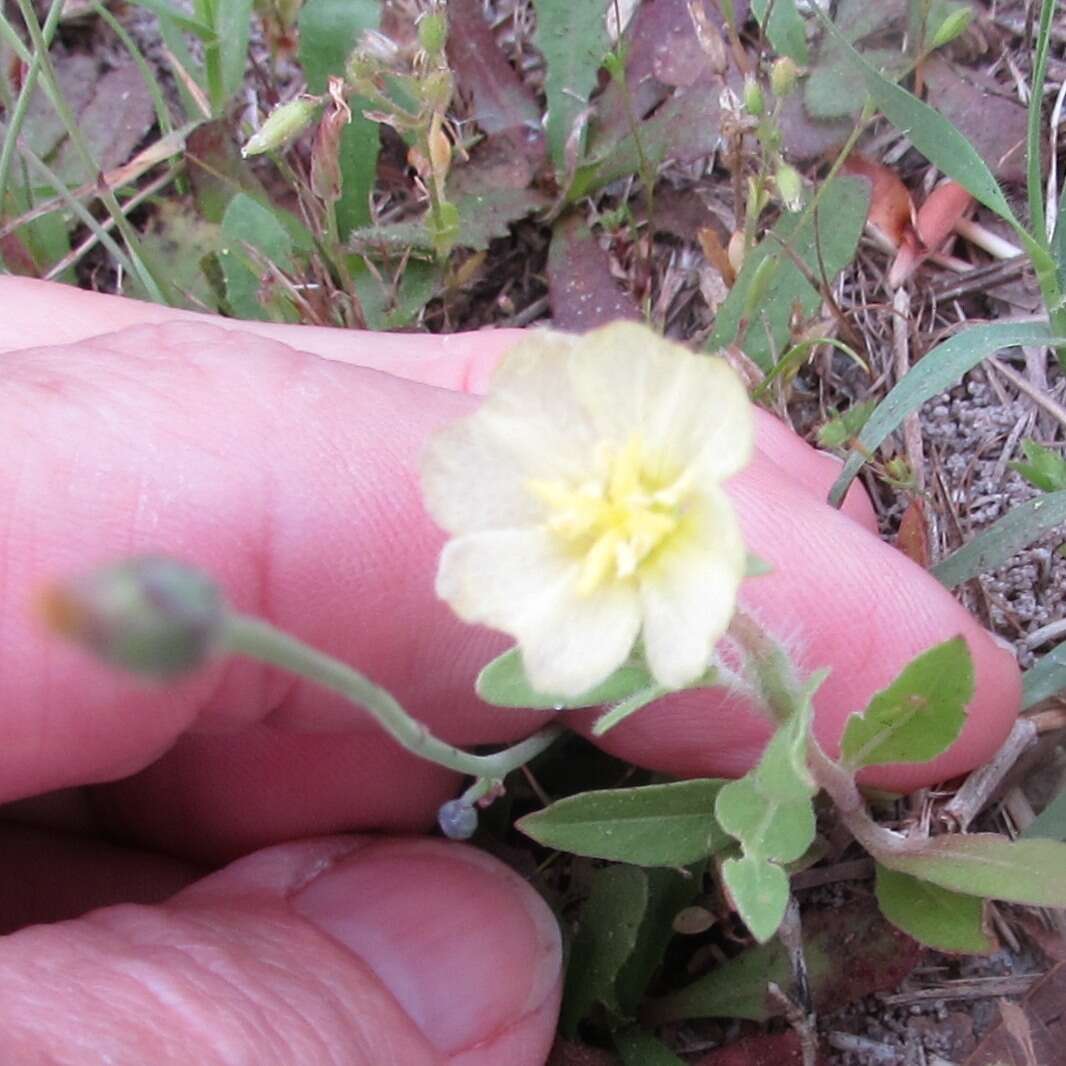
465,945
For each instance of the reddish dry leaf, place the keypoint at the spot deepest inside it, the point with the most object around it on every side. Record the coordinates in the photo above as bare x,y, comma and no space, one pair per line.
891,208
782,1049
913,536
982,110
943,209
16,257
582,291
1043,1022
501,99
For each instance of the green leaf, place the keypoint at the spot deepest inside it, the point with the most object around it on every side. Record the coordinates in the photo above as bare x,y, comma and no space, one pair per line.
248,222
1050,822
1046,678
669,893
179,18
932,134
918,716
637,1047
629,706
843,427
573,39
1014,531
934,916
329,30
777,830
786,29
835,89
607,934
503,683
233,27
1044,468
938,370
834,229
989,866
759,890
655,825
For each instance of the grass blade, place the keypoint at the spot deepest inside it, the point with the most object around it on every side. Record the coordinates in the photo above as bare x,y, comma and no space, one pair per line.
1045,679
1014,531
932,134
937,371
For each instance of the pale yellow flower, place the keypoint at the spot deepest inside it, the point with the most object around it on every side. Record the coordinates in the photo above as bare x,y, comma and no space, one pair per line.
585,502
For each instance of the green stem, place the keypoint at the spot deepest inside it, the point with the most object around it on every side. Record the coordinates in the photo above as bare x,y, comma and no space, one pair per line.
77,138
260,640
1034,170
22,104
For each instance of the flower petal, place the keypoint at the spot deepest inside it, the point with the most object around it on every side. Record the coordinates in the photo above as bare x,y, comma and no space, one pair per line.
476,472
688,596
519,581
691,409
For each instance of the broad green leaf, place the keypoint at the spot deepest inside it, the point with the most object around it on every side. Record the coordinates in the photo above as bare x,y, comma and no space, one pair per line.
989,866
918,716
1043,468
1051,822
1016,530
248,222
835,89
656,825
233,26
938,370
638,1047
781,831
761,323
607,934
669,893
932,134
329,30
934,916
1046,678
573,40
786,29
503,683
759,890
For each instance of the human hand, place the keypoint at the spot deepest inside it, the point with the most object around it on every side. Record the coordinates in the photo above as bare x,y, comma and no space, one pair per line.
290,475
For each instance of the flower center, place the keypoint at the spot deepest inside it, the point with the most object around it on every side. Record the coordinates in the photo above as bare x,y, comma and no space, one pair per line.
615,521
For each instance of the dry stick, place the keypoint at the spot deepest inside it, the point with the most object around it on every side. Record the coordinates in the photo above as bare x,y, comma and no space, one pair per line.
1041,399
979,787
912,426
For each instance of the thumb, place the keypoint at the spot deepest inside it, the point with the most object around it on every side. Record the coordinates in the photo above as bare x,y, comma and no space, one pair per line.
334,951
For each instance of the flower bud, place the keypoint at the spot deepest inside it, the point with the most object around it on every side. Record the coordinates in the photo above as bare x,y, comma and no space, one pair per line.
151,615
954,25
783,77
433,32
789,186
754,101
457,820
282,125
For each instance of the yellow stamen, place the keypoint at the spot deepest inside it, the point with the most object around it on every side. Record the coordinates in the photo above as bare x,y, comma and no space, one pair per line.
615,523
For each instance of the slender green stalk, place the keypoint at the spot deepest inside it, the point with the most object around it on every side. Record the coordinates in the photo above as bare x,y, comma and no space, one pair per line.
79,209
1034,169
207,14
35,61
140,267
259,640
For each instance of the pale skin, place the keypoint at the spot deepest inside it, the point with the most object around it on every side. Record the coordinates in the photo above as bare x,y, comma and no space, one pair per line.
274,458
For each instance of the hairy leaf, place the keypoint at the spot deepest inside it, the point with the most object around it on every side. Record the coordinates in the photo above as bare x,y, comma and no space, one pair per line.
503,683
759,890
934,916
919,715
655,825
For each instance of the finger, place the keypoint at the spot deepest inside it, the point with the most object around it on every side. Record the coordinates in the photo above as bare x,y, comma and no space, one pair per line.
39,313
295,485
332,951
